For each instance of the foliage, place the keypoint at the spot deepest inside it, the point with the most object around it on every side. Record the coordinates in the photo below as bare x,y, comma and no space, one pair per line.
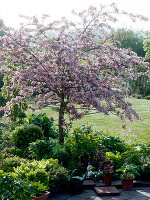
45,123
147,47
2,33
145,171
41,149
68,63
108,168
16,102
116,158
58,177
48,172
133,156
113,144
130,39
80,142
38,188
14,189
97,157
8,164
26,134
37,175
2,100
128,171
62,153
141,85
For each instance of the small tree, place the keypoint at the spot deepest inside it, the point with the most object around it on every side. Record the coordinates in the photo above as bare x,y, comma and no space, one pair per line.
16,104
66,63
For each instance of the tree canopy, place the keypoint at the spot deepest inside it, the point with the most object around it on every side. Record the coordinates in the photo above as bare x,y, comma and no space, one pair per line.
65,63
131,39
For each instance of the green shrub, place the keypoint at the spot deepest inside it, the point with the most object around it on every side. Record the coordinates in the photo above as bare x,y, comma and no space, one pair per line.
113,144
26,134
79,143
45,123
58,177
61,152
133,156
41,149
16,152
8,164
38,175
13,189
43,171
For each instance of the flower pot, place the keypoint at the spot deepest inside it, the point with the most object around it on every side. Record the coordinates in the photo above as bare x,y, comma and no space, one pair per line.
43,196
107,180
127,184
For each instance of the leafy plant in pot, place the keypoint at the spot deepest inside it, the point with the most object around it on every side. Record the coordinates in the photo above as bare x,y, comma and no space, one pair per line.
128,173
108,170
39,191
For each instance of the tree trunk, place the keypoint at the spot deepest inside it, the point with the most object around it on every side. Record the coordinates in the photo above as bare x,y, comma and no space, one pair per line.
61,119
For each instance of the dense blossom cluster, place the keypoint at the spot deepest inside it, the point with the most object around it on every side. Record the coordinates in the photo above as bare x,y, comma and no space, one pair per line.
67,63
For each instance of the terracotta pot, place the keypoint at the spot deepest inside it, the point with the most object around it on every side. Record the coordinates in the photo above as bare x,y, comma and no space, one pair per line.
127,184
107,180
43,196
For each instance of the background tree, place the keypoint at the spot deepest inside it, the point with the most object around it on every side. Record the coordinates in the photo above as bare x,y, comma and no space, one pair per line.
131,39
1,35
17,103
67,63
134,40
146,44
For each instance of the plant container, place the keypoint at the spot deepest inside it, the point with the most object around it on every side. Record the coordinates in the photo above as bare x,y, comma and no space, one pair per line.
75,183
107,180
127,184
42,196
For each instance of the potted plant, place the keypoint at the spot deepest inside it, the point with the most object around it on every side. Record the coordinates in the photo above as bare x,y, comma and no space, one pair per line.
108,170
39,191
128,173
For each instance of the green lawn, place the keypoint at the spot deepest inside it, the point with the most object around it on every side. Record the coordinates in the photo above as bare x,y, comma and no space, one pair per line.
112,122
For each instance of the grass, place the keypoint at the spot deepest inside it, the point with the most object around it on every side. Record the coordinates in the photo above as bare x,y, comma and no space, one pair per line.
112,123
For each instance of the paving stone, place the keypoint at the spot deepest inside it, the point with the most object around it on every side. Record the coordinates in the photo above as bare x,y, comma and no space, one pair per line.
62,196
107,191
141,193
139,198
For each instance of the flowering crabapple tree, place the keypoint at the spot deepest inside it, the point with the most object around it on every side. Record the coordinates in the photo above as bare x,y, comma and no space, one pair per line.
68,63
